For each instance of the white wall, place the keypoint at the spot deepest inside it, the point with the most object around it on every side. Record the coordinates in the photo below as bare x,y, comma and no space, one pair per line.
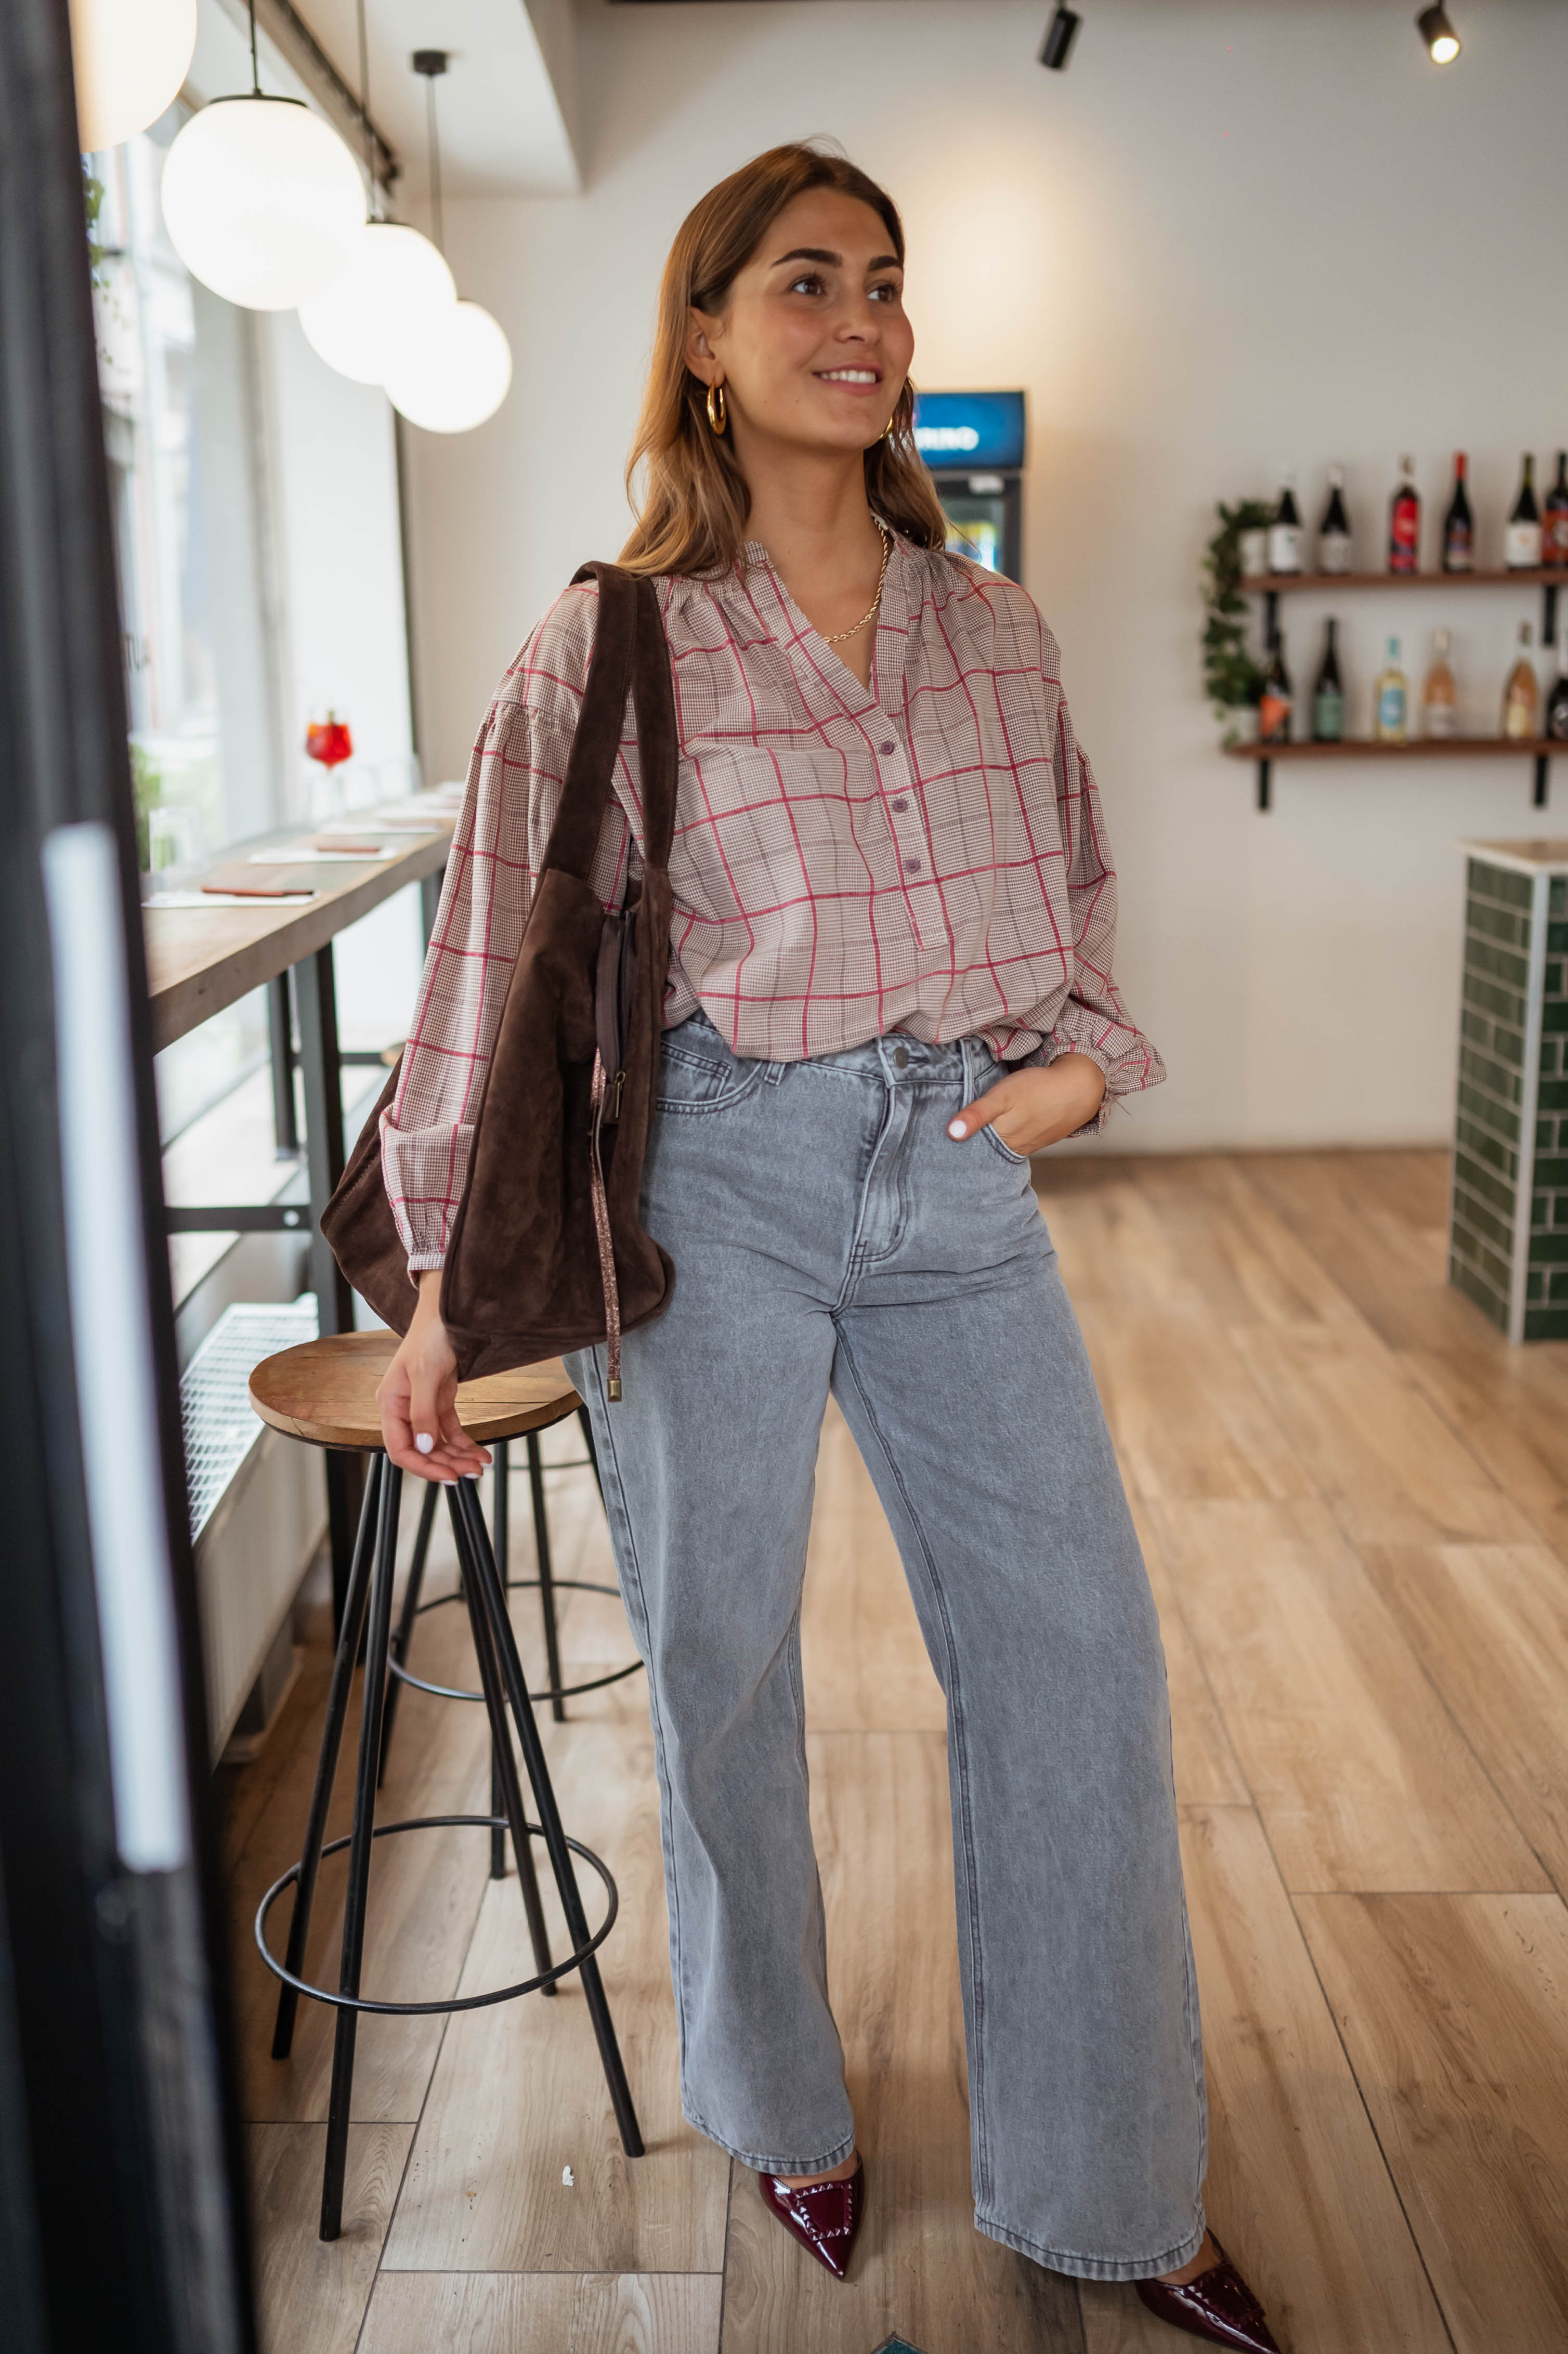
1235,234
339,568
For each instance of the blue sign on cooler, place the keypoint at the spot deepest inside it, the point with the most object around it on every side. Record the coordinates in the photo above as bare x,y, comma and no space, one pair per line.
966,432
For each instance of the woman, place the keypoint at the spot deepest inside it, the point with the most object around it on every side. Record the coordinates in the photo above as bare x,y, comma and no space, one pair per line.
890,985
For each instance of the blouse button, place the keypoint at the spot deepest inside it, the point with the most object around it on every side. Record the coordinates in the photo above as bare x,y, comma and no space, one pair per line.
885,748
912,867
900,805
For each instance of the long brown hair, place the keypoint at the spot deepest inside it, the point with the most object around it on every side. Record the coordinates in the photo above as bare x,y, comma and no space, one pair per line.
692,512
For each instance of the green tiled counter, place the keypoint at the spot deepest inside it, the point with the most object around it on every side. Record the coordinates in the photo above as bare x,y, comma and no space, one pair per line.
1508,1244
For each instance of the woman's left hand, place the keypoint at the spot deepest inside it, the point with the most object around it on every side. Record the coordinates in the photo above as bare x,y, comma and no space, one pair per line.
1029,1109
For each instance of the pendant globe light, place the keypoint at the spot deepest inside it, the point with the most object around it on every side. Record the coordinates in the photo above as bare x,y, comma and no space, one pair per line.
261,199
395,290
128,57
451,380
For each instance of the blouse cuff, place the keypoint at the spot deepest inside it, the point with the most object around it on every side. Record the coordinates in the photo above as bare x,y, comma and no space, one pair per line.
424,1170
1128,1061
1050,1052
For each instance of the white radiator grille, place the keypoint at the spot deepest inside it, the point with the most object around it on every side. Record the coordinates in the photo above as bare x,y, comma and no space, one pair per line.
221,1425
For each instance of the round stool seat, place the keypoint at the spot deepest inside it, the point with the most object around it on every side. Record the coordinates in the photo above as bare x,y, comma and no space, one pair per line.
325,1391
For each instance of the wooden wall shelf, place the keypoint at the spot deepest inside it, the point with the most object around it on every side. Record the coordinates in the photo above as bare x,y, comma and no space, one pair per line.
1272,586
1535,577
1425,748
1540,749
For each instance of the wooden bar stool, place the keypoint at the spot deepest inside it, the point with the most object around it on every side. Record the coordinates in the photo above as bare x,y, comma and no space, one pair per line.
324,1393
546,1584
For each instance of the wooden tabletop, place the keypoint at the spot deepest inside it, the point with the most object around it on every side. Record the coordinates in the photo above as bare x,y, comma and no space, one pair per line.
200,960
324,1391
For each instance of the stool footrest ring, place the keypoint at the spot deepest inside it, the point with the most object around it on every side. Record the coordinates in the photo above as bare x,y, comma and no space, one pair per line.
544,1691
455,2002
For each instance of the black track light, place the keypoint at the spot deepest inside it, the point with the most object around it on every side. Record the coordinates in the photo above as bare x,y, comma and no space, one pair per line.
1060,35
1442,41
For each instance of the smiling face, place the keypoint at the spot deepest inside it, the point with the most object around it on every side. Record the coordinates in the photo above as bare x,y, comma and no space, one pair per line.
812,346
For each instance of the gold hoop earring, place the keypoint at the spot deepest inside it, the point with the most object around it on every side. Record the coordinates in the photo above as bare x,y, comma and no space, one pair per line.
718,415
887,429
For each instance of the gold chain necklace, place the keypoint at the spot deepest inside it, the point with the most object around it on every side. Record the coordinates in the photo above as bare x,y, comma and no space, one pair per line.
869,614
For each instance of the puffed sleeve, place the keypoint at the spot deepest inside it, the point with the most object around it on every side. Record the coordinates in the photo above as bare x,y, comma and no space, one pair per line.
514,778
1092,1019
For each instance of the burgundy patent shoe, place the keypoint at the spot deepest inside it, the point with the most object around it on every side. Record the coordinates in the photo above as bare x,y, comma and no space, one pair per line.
1217,2305
823,2216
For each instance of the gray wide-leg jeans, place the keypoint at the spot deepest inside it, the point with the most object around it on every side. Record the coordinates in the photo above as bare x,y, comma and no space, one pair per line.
827,1232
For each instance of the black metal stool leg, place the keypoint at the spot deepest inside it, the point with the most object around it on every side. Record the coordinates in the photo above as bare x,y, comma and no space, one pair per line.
546,1577
403,1634
486,1578
326,1764
372,1707
501,1522
503,1764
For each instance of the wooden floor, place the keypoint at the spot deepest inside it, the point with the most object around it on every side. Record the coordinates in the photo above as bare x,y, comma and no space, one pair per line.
1354,1503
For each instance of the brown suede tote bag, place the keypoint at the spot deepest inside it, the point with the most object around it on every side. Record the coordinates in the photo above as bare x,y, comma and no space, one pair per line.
547,1251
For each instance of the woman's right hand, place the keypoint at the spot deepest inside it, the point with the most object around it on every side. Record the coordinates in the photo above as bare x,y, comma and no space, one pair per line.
418,1398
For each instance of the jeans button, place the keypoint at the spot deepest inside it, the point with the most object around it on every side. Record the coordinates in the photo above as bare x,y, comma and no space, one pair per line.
900,1058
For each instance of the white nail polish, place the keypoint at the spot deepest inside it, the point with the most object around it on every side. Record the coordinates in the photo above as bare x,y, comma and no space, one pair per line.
424,1442
956,1128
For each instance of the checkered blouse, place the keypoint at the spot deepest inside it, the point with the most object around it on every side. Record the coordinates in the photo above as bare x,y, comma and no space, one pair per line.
927,854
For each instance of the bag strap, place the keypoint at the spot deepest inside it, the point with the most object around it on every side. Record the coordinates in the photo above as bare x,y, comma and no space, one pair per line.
630,656
657,739
590,766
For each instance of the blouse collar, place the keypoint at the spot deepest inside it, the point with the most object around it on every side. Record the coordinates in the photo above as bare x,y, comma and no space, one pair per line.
759,584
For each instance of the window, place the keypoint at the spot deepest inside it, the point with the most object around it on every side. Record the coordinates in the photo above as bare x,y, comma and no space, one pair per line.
177,368
249,487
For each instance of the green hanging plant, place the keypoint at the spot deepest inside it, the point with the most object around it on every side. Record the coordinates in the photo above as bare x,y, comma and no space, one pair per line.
1231,678
147,793
92,203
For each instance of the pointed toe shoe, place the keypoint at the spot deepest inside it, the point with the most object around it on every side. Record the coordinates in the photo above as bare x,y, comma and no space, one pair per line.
823,2216
1217,2305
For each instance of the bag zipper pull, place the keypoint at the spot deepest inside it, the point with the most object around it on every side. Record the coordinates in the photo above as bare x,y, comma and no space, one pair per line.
619,1083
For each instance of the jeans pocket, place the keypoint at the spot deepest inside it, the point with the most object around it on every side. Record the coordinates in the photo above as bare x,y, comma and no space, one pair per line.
698,1073
986,1069
1014,1159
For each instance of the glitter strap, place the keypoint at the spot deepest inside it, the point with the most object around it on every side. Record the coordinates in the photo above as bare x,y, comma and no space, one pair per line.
606,1246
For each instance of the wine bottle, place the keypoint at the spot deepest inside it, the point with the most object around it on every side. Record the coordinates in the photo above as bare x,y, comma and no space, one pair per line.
1390,700
1276,701
1285,532
1522,696
1439,697
1554,517
1458,530
1328,694
1523,550
1404,521
1334,531
1556,724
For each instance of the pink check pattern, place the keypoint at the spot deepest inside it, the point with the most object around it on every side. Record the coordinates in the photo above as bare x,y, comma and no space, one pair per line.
927,854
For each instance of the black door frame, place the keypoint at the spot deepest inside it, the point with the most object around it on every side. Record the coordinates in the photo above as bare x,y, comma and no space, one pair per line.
120,2160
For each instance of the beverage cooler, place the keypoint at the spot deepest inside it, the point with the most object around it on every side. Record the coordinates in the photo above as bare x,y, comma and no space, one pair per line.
973,443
